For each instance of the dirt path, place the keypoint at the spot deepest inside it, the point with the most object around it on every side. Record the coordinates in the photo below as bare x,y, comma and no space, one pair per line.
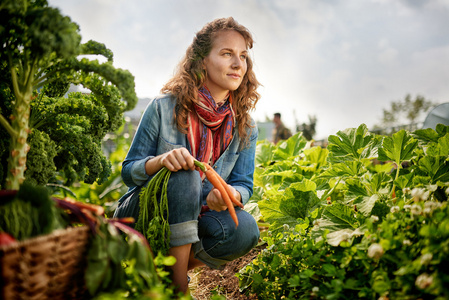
204,281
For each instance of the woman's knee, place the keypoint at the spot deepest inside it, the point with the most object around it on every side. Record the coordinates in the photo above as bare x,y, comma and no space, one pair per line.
184,184
184,196
221,238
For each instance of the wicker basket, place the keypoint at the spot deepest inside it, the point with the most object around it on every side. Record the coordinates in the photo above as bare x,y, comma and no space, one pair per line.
46,267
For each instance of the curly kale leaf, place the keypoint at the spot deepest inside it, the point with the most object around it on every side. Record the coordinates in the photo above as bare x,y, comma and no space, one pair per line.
40,163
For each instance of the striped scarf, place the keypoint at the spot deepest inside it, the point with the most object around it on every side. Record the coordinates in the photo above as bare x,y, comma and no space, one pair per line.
210,127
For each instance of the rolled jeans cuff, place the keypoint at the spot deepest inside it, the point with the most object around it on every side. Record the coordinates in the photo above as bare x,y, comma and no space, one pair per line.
211,262
184,233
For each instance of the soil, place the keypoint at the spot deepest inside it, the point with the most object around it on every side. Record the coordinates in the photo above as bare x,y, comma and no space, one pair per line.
206,281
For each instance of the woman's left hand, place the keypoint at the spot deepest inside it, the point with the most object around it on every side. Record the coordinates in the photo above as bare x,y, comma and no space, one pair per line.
215,200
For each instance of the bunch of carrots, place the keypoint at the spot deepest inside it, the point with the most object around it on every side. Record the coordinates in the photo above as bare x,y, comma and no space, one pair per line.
153,214
223,187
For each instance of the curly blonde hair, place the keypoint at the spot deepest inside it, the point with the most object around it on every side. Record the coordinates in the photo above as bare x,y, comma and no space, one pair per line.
191,75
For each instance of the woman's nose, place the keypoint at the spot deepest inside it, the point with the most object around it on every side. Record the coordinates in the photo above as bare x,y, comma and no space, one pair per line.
237,63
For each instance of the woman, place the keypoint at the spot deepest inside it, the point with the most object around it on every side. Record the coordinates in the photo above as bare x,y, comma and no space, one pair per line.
203,114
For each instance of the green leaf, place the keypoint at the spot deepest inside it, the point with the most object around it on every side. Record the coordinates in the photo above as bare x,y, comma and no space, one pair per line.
264,153
439,148
398,148
347,169
404,181
338,237
285,207
351,144
367,204
335,217
356,187
317,157
435,167
293,146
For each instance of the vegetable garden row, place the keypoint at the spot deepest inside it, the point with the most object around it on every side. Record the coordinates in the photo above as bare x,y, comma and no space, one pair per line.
366,218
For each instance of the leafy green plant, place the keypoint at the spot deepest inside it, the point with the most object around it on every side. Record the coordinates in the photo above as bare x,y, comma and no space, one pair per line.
367,222
44,131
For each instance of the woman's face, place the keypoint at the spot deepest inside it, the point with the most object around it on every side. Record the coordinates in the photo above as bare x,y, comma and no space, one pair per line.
225,64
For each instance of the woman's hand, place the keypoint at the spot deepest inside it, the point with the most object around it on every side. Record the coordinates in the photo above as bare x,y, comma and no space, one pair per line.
174,160
177,159
215,200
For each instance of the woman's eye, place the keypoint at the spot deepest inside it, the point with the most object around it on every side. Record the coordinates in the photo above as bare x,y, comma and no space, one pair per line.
227,54
243,57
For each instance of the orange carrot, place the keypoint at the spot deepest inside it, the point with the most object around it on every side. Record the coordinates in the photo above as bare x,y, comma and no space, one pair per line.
96,209
225,185
229,191
214,178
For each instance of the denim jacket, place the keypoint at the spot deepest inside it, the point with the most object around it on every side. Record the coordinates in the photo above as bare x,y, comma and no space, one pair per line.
157,133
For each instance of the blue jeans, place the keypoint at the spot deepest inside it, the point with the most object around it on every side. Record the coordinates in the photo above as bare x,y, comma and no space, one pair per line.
214,238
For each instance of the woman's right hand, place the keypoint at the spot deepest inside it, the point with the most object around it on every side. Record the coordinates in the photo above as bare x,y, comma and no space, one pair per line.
177,159
174,160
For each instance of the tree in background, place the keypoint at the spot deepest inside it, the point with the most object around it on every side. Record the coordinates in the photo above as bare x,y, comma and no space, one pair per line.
43,131
405,111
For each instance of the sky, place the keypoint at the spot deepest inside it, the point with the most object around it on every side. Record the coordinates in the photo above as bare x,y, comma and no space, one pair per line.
342,61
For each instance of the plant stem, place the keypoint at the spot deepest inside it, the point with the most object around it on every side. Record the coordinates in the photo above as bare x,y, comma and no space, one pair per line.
18,147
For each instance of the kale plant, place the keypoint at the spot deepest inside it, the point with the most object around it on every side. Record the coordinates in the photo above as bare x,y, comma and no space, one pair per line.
45,131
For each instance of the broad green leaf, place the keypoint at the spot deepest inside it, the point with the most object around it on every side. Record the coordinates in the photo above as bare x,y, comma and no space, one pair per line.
351,144
335,217
253,209
397,148
356,187
377,182
272,214
404,181
344,235
293,146
317,157
430,135
367,204
440,148
426,135
348,169
297,201
435,167
341,214
382,168
264,153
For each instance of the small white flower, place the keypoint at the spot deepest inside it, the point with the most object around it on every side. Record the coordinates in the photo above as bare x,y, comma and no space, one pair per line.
426,258
394,209
407,207
407,242
447,191
316,223
374,219
431,205
423,281
286,227
406,190
419,194
427,211
375,251
416,209
315,289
